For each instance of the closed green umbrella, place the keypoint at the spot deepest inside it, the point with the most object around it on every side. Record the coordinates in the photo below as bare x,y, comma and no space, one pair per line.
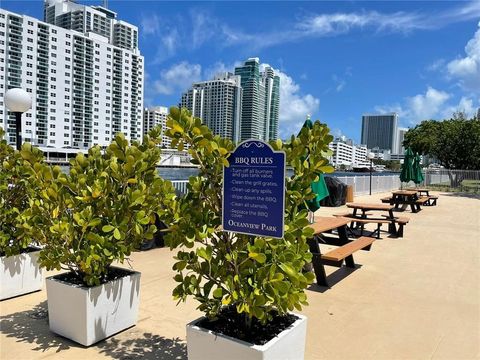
407,173
319,187
417,170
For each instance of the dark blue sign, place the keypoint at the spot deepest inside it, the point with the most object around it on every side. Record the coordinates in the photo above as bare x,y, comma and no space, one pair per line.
254,190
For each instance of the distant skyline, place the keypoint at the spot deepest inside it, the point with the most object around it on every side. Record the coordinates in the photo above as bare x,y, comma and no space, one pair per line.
337,60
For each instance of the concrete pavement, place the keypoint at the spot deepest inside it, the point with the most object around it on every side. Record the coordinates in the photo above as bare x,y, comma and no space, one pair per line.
416,297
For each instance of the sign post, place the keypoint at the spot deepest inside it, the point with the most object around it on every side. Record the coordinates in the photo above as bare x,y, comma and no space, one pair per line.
254,190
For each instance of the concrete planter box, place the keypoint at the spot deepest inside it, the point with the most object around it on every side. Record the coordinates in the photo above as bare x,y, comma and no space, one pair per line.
20,274
87,315
205,344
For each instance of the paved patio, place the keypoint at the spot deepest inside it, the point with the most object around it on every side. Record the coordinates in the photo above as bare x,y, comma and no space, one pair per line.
417,297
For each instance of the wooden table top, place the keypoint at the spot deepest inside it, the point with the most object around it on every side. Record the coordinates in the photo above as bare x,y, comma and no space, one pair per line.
366,206
404,192
418,189
326,223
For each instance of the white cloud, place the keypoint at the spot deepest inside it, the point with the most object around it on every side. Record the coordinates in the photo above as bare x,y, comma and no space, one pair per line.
220,67
433,104
150,24
294,106
340,23
204,27
465,105
178,78
425,106
466,70
436,65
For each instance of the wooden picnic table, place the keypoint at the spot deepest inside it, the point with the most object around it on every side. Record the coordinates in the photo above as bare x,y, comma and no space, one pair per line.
366,207
324,223
420,191
405,198
345,250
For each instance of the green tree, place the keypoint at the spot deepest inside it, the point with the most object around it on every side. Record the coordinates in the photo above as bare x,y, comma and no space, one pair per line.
259,276
17,187
102,209
454,142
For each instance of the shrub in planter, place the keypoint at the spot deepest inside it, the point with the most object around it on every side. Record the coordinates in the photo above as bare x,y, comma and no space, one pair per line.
243,283
19,271
95,215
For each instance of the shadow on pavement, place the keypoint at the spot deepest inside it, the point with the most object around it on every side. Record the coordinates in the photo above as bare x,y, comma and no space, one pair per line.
149,346
31,326
334,278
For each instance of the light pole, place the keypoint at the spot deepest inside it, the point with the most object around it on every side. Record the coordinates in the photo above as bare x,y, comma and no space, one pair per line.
370,157
18,101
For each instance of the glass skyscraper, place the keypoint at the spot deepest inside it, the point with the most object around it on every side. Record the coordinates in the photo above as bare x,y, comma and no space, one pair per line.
380,131
260,101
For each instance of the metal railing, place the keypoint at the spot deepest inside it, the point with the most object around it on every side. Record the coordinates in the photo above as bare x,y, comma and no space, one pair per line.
361,184
180,186
453,180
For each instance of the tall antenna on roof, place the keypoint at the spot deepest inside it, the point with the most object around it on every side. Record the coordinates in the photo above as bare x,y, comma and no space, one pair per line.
105,4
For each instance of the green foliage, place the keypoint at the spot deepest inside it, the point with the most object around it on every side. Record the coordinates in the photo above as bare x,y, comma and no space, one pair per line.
256,275
102,210
393,165
16,189
454,142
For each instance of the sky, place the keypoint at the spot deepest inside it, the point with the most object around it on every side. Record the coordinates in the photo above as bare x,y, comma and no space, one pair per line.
336,60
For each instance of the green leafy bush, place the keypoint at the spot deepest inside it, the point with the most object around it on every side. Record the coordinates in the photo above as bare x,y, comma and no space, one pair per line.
16,188
259,276
102,210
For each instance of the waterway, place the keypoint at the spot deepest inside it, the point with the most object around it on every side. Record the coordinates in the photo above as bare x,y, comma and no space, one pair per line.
172,173
183,173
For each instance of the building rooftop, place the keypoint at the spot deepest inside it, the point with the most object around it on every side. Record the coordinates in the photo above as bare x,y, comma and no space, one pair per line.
415,297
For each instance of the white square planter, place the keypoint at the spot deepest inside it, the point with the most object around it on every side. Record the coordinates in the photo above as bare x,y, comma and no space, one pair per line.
90,314
205,344
19,274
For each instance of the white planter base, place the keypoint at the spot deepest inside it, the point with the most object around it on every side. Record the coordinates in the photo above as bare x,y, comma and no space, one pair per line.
88,315
19,274
205,344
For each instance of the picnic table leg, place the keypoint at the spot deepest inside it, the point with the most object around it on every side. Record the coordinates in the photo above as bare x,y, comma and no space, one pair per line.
349,262
342,235
318,267
391,226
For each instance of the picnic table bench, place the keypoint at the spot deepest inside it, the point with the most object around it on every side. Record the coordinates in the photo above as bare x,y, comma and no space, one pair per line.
345,246
358,221
414,198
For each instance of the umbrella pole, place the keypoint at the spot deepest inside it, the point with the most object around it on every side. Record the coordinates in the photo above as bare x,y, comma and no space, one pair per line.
311,217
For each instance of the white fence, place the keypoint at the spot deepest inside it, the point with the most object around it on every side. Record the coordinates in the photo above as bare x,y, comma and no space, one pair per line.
361,184
459,180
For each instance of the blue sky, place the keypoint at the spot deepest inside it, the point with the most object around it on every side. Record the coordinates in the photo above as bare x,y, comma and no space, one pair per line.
337,59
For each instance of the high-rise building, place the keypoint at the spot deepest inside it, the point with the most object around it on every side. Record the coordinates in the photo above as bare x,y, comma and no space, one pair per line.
82,68
380,131
272,103
218,103
478,114
346,153
400,137
260,101
153,117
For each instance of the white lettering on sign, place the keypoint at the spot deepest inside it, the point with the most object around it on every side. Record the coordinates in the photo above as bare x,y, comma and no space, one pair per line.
254,160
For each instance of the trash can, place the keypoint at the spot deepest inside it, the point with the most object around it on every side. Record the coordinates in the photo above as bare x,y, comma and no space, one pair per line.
349,193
